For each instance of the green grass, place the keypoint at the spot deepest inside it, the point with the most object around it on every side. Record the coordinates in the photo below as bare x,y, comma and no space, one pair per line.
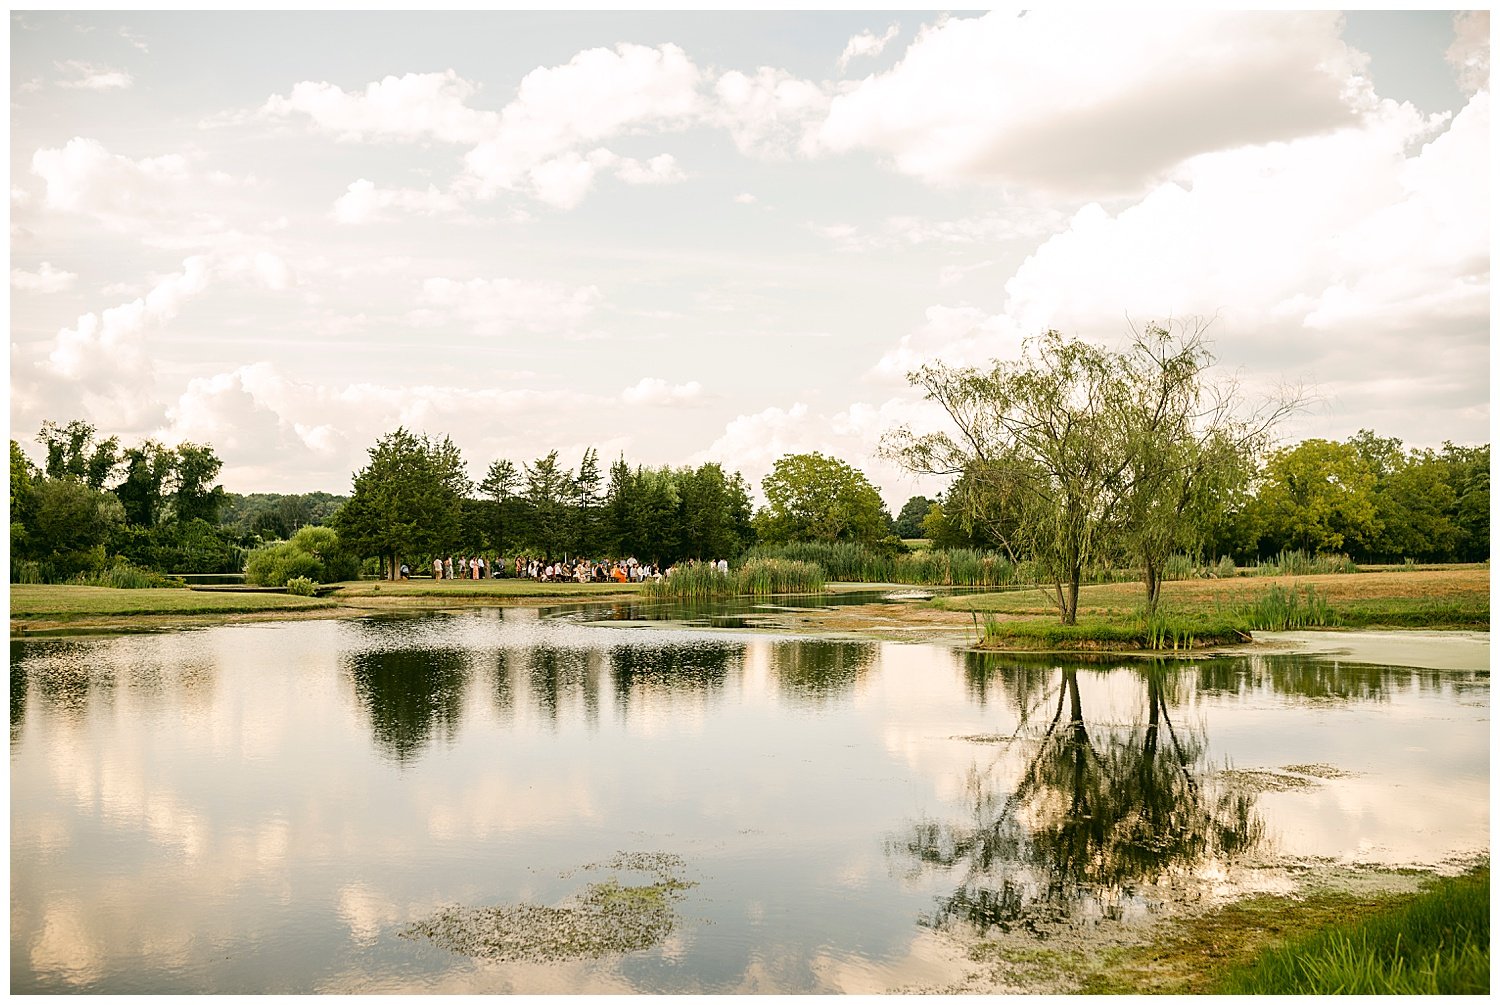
1159,634
1435,943
64,603
1314,942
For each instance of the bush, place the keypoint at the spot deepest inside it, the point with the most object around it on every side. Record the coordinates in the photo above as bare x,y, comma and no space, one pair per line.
301,586
124,576
313,553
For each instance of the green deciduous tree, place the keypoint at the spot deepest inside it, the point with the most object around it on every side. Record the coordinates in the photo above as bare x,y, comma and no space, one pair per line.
909,520
1318,496
74,452
810,497
407,502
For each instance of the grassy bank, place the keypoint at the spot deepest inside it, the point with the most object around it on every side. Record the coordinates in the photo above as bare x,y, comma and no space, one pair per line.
36,610
1210,612
1432,942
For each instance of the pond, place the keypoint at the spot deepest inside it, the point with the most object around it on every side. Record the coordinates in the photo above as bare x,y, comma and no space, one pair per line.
514,800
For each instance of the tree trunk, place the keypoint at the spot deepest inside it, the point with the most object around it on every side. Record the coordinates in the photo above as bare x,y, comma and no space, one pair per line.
1153,585
1070,610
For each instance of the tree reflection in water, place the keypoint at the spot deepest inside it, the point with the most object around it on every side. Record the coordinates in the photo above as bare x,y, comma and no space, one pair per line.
698,668
1094,812
410,695
818,671
556,674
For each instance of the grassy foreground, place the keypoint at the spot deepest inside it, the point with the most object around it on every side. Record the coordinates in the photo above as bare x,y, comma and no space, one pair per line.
1433,942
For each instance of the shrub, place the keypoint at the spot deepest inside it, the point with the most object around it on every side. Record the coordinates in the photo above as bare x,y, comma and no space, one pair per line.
301,586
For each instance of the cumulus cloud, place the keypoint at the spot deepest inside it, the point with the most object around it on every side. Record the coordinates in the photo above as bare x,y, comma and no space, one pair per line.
538,143
416,106
866,43
280,433
89,77
504,306
655,391
1334,255
987,100
363,202
46,279
84,177
771,114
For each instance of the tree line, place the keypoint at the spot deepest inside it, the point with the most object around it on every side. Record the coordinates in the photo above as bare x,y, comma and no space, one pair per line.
1069,458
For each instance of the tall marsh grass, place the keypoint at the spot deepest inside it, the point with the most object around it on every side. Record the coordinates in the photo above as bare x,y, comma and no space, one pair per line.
1300,563
124,576
757,577
1280,610
849,562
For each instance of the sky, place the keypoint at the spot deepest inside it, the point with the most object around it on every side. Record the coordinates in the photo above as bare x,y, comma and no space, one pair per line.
685,238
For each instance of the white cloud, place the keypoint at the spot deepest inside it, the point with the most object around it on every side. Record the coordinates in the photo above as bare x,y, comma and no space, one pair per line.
655,391
88,77
772,114
866,43
1340,256
364,203
503,306
84,177
558,111
987,99
1018,222
416,106
46,279
745,199
751,444
1469,55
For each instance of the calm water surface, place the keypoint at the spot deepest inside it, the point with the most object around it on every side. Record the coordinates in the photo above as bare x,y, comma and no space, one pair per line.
265,808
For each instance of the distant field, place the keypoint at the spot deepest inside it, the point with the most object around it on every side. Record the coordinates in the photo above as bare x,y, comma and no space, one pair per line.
1395,597
66,602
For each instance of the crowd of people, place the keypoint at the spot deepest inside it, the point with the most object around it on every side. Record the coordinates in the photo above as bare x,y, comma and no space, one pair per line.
543,570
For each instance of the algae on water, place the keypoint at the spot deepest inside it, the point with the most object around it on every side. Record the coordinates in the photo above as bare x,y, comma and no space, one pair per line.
605,918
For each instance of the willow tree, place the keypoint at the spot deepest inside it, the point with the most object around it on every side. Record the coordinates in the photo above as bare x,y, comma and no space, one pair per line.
1039,449
1072,453
1191,446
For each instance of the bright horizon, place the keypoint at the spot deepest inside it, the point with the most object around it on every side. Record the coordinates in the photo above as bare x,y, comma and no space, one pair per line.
725,237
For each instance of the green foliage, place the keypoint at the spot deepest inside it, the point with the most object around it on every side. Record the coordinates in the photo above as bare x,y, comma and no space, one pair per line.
1157,632
1435,943
301,586
667,515
273,516
909,520
811,497
407,502
313,553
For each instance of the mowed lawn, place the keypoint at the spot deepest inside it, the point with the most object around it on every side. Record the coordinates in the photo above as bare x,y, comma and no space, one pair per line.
62,603
1453,597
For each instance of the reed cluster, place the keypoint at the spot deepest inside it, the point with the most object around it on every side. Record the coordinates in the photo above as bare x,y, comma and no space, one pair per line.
756,577
1280,609
850,562
1300,563
124,576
